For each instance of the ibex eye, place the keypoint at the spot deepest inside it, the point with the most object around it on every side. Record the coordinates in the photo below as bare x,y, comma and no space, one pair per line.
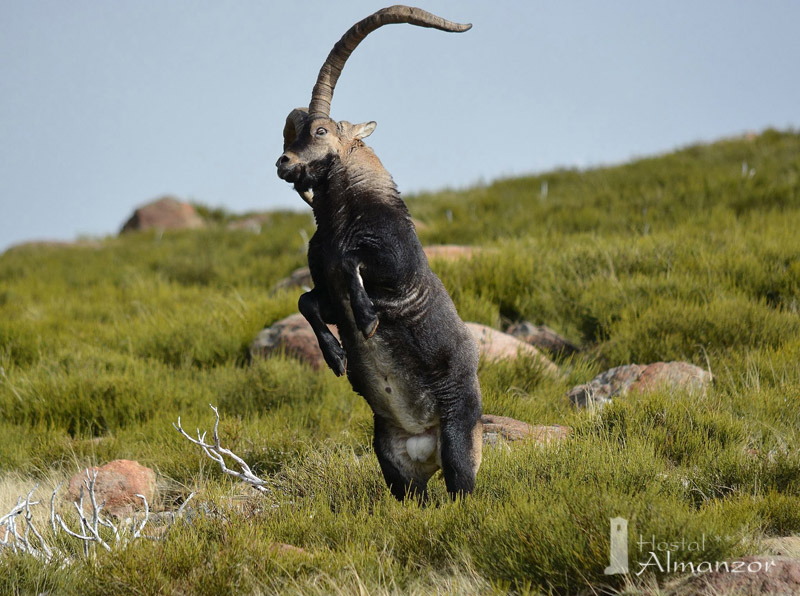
321,131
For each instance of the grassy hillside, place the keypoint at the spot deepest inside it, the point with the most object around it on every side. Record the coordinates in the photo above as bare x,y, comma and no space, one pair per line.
690,256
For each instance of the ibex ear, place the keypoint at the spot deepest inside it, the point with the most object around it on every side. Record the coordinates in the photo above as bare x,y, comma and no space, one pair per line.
363,130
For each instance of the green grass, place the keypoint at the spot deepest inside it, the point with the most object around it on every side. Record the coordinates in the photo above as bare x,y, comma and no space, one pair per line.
686,256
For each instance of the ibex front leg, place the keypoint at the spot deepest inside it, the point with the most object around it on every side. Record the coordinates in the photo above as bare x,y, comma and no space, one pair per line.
313,306
363,310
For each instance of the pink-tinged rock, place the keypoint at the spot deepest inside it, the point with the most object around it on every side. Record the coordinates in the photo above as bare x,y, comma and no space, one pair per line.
299,278
753,576
621,380
166,213
294,336
118,482
502,428
496,345
678,375
543,338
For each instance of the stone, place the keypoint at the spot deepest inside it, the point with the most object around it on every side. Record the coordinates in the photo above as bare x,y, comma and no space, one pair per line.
294,336
501,429
675,375
118,482
543,338
166,213
622,380
496,345
299,278
755,576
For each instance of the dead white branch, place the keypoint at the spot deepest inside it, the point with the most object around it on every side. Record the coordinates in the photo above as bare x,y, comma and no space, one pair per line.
10,536
217,452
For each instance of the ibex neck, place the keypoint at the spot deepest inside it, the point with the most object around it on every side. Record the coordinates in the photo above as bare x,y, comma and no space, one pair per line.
353,182
360,170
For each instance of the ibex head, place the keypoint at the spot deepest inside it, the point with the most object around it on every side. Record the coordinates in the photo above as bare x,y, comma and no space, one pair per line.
311,138
309,144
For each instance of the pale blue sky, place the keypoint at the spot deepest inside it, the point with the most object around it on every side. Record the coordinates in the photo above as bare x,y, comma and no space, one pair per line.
106,105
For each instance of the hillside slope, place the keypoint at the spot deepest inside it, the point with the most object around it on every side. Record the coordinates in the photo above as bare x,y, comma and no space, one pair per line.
690,256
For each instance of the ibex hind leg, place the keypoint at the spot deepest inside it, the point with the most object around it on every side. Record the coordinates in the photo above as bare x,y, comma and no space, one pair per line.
401,484
461,446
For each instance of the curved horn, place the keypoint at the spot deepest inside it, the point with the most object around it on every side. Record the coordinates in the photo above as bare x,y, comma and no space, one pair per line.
322,95
294,122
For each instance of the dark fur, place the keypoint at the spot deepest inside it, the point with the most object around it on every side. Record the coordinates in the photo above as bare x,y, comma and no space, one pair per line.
404,347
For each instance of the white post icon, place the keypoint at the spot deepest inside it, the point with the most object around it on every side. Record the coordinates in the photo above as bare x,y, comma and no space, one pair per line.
619,546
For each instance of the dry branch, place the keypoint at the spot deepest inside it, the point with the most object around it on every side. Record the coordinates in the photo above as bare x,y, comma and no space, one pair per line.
19,534
217,452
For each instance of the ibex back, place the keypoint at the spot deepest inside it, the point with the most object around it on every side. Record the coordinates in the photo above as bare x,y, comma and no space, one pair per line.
403,346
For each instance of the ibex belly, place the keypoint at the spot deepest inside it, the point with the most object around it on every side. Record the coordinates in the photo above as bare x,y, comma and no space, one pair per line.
399,400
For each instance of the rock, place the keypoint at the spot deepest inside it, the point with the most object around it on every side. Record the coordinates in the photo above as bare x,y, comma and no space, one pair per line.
756,576
674,374
543,338
496,345
603,387
502,428
450,252
118,483
166,213
299,278
292,335
640,377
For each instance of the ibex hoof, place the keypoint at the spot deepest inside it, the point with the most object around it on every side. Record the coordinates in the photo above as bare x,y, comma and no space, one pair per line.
335,358
370,329
340,368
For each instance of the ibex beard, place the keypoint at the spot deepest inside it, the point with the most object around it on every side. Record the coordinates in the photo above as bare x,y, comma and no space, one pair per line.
403,346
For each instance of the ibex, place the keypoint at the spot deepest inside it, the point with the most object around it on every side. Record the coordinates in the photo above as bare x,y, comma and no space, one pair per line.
403,346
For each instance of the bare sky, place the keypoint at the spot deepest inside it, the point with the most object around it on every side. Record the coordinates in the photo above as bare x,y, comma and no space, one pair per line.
107,105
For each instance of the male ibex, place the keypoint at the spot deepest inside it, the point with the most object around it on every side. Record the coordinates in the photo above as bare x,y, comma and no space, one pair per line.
403,346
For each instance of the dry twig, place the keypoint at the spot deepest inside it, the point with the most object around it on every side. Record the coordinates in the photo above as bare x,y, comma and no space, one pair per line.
217,452
19,534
